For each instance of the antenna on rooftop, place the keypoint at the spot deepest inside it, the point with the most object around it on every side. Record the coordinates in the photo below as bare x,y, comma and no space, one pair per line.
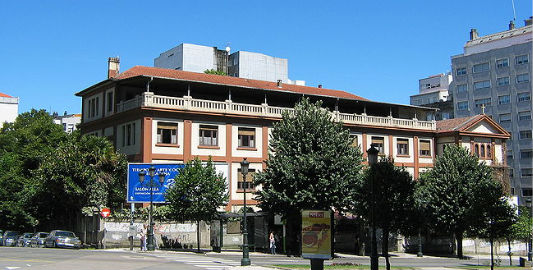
514,11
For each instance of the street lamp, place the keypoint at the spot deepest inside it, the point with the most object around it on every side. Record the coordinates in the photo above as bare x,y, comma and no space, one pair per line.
529,244
245,254
373,160
151,172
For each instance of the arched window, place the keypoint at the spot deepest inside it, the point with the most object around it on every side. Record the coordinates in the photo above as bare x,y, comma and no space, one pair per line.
489,153
476,150
482,151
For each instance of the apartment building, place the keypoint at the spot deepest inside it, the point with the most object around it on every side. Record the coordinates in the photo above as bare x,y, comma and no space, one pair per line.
164,115
433,92
69,122
493,76
9,108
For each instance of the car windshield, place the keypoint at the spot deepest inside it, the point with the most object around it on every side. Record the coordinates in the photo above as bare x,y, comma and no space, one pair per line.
65,234
43,235
28,235
11,233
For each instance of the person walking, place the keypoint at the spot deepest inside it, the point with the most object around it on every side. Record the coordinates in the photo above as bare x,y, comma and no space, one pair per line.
143,238
272,240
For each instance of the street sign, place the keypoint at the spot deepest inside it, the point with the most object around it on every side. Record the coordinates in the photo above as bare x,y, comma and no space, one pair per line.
140,193
105,212
316,234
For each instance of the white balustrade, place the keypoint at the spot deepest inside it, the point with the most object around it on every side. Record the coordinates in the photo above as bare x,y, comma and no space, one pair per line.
188,103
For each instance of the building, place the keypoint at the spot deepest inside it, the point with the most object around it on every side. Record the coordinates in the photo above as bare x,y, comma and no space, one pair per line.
68,121
9,109
242,64
493,76
164,115
433,92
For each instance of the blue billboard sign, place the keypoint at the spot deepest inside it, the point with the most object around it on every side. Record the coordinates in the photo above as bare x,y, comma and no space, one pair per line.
140,192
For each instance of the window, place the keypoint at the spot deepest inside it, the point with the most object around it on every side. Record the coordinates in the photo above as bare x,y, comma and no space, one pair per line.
505,118
379,143
402,147
462,88
93,107
509,154
500,63
480,102
247,137
461,71
481,85
526,172
522,59
425,148
110,101
355,140
208,135
462,106
502,81
526,154
167,133
524,115
504,99
525,134
249,184
483,150
522,78
527,192
480,68
511,175
525,96
128,134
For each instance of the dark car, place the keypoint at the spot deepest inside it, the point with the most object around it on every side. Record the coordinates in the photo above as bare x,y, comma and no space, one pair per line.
1,238
59,238
38,239
24,240
10,238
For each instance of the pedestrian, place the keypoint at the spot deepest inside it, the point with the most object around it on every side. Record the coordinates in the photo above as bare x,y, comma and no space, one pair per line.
272,239
143,238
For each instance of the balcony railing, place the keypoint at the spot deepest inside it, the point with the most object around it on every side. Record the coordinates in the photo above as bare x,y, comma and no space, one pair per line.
148,99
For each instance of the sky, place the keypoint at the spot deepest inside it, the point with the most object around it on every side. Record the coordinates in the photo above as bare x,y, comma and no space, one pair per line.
375,49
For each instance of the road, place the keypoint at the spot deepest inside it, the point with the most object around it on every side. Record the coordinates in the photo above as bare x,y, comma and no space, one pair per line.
62,259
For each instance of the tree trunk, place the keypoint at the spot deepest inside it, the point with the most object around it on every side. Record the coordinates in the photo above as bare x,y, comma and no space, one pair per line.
198,234
385,246
509,252
491,254
293,233
459,237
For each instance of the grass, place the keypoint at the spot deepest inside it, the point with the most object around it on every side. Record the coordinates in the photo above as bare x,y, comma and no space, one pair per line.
337,266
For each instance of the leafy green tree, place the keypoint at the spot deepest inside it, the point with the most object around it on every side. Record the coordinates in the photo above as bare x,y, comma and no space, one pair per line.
197,193
391,190
215,72
523,227
84,171
311,165
453,190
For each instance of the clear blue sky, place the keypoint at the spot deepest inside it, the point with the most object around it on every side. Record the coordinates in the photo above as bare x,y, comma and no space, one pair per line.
376,49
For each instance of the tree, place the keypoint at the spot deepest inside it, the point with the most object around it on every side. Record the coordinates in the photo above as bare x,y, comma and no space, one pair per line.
390,189
215,72
452,191
311,165
197,193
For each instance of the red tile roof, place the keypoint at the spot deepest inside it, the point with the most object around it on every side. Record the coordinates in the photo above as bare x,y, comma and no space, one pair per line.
232,81
4,95
457,124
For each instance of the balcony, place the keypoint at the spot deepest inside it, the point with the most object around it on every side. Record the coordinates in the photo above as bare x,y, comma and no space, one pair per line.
148,99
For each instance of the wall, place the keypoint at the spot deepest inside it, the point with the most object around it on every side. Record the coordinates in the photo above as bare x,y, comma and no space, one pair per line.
9,107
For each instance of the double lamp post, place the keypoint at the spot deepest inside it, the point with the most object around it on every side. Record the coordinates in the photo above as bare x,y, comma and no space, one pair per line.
151,185
245,252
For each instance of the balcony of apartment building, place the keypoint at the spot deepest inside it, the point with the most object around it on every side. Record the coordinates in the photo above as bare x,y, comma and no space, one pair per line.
239,101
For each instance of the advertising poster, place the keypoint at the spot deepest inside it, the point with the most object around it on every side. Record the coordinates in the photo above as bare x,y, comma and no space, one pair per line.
140,193
316,234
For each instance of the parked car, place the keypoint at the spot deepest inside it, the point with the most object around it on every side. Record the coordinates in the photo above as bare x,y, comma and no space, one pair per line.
60,238
38,239
24,240
10,238
1,238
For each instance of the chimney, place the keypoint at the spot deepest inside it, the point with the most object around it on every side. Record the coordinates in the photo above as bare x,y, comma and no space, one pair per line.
280,84
113,67
319,86
528,21
511,25
473,34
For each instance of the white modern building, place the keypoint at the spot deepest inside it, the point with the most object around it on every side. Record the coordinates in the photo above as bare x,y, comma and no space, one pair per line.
9,108
433,92
493,76
68,121
242,64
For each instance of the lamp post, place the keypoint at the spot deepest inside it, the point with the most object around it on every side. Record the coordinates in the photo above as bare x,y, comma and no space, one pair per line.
245,254
529,244
151,173
372,160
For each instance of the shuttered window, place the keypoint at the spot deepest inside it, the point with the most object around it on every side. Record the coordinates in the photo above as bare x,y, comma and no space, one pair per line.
247,137
208,135
379,143
167,133
425,148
